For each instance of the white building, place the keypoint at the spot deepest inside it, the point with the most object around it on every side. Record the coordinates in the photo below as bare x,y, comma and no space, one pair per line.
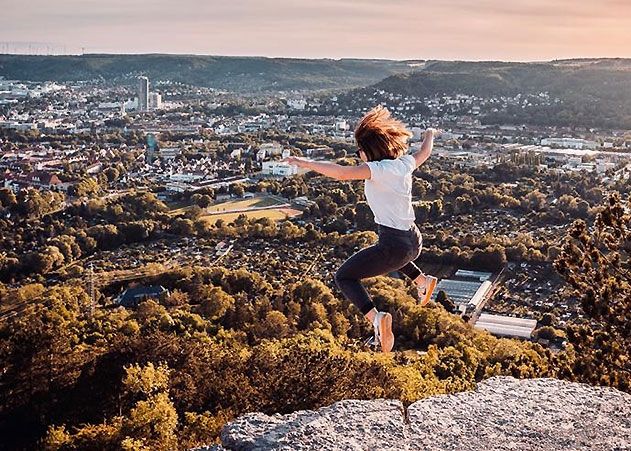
602,166
131,104
303,201
279,168
169,153
178,187
479,295
94,169
506,326
574,161
467,290
109,106
185,177
569,143
155,101
341,125
297,104
23,126
479,275
272,148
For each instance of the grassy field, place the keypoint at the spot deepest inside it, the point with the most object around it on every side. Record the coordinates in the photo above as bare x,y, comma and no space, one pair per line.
179,208
264,201
214,212
273,213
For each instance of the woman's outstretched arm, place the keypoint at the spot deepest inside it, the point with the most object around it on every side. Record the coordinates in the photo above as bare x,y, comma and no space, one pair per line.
330,169
426,148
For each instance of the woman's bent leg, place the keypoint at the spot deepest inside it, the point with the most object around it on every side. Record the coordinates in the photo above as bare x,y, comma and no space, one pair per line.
368,262
410,269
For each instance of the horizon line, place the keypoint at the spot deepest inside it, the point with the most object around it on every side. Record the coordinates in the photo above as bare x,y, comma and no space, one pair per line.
577,58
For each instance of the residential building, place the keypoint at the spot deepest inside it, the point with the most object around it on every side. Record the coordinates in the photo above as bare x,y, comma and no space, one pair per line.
279,168
154,101
131,297
506,326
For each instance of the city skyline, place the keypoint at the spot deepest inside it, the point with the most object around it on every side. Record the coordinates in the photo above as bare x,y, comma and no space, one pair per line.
401,29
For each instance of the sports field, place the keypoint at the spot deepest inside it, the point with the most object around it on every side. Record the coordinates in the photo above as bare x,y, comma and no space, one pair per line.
238,204
272,213
260,206
262,200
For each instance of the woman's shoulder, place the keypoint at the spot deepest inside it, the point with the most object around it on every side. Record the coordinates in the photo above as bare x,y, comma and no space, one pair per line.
402,164
393,161
391,169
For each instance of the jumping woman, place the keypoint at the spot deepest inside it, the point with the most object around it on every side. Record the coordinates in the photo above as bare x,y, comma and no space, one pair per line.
387,170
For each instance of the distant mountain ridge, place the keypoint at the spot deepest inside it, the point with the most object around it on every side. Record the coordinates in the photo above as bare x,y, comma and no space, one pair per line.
593,92
241,74
496,77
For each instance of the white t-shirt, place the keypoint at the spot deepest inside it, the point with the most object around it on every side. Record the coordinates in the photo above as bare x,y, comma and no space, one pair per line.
389,191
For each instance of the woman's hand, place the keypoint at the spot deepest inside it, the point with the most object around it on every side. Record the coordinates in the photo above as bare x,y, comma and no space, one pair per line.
433,132
426,146
301,162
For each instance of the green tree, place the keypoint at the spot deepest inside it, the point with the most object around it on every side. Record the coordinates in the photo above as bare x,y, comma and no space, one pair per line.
237,189
215,302
112,174
7,197
153,420
85,187
595,263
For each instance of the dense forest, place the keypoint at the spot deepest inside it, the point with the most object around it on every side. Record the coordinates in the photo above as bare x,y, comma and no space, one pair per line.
240,74
80,372
223,341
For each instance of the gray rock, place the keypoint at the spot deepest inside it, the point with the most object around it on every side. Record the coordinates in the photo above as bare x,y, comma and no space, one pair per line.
503,413
348,425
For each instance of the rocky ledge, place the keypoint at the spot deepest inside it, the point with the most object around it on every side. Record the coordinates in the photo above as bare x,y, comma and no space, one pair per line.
503,413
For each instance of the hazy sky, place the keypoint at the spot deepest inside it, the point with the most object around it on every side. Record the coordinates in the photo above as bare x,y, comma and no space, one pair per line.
523,30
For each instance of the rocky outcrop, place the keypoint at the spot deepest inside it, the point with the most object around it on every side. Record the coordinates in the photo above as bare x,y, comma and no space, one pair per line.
503,413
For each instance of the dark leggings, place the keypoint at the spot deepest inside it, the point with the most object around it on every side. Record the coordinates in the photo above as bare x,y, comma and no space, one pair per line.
396,250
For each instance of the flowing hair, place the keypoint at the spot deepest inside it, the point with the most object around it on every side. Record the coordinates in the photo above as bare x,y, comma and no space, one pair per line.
381,136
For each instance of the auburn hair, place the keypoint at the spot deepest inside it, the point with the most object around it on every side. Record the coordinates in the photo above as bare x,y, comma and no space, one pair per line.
381,136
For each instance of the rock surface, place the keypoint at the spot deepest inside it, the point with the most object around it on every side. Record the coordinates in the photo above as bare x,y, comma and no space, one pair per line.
503,413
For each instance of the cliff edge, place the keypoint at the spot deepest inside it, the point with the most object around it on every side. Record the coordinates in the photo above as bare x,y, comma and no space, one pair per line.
502,413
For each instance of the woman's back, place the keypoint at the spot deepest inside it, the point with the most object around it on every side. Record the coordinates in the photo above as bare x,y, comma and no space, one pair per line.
389,191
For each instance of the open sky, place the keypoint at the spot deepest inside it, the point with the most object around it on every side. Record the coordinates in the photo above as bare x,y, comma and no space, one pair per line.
515,30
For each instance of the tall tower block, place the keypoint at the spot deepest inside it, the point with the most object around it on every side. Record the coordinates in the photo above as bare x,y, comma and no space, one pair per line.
143,93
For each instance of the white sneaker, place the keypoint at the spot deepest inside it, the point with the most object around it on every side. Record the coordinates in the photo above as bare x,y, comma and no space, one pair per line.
426,289
372,341
383,331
